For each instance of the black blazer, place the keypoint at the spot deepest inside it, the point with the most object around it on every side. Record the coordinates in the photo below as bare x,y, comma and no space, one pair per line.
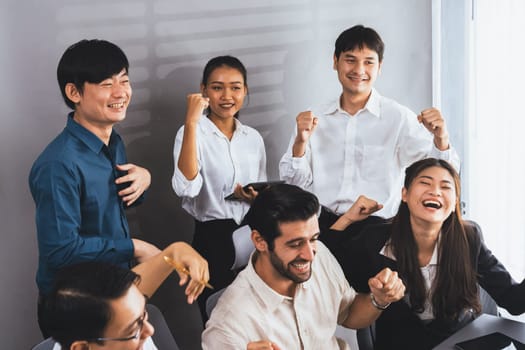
399,327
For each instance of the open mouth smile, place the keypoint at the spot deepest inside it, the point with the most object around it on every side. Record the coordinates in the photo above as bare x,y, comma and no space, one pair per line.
432,204
304,266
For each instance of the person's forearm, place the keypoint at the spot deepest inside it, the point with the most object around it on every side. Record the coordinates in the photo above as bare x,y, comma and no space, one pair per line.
143,250
442,143
187,162
191,267
153,272
298,149
341,224
362,312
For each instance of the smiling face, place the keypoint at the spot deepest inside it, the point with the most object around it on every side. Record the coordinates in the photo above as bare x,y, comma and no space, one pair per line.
295,249
101,105
357,70
431,196
226,90
128,319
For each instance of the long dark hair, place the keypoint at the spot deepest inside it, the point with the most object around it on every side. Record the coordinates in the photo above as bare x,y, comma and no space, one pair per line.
455,286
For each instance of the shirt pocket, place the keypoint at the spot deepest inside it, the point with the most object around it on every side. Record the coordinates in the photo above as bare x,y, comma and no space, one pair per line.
375,163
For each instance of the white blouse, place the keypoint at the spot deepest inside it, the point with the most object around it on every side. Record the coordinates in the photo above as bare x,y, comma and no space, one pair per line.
429,275
222,164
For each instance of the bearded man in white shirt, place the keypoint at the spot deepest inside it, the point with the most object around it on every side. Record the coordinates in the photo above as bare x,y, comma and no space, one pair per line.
293,293
360,143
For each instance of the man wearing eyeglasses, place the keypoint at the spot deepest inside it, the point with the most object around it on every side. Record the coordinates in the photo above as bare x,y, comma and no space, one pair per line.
97,305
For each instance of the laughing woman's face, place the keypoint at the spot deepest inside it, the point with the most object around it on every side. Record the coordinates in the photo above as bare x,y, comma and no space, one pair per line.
431,197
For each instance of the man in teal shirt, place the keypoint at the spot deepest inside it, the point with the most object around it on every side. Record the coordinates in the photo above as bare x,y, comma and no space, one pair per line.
82,182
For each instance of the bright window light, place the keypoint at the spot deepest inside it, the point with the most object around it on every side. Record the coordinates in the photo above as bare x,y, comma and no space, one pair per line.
496,129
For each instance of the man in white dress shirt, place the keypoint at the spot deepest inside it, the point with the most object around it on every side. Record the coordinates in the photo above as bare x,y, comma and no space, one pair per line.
361,142
293,292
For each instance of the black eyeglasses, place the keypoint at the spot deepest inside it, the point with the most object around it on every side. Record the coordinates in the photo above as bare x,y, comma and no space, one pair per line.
140,323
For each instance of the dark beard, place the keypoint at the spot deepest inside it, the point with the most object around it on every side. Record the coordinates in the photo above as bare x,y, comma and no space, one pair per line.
285,272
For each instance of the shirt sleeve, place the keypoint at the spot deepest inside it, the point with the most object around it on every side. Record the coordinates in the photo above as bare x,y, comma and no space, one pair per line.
226,329
296,170
57,197
497,281
181,185
346,292
418,143
214,337
450,155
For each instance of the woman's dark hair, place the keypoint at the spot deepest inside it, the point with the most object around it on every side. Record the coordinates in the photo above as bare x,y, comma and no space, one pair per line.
224,61
89,61
455,286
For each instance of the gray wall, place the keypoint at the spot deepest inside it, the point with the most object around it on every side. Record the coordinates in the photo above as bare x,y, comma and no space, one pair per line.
286,45
456,15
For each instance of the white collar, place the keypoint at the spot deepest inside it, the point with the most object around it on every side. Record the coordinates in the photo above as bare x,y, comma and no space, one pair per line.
373,105
387,252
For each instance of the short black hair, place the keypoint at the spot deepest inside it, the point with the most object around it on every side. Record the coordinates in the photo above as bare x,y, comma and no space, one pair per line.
89,61
279,204
78,306
359,36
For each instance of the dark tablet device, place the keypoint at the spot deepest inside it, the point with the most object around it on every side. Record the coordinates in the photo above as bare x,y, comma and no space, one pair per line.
256,186
492,341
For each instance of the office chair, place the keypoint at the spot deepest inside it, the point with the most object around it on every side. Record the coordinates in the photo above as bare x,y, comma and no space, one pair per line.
488,305
212,301
162,337
243,246
366,337
46,344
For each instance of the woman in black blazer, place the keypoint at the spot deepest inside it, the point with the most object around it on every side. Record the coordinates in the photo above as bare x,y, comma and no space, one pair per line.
441,259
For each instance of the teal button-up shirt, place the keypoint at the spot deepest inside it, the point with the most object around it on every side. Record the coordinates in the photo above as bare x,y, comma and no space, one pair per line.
79,215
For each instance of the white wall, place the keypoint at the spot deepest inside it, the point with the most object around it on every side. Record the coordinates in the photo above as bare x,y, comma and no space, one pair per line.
286,45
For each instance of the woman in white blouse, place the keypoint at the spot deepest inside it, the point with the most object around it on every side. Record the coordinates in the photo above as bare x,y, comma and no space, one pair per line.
215,155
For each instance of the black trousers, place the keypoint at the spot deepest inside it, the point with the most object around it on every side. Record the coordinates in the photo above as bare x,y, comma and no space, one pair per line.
213,240
336,240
